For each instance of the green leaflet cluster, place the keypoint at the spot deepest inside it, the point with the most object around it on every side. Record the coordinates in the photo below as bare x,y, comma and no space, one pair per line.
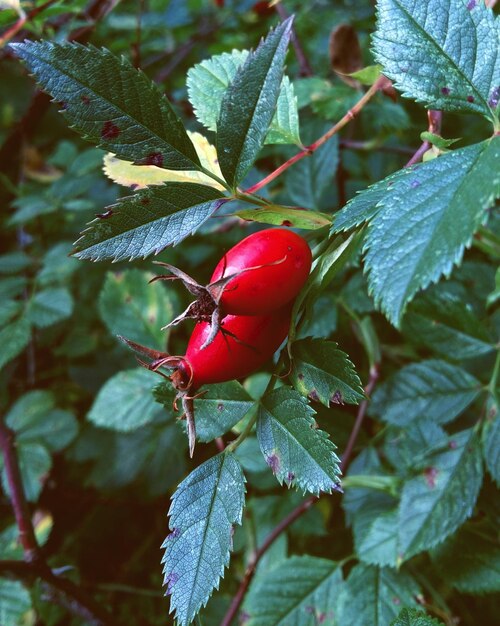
422,218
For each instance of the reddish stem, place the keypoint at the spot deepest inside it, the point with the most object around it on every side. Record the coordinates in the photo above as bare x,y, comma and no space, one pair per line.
381,82
20,506
15,28
250,571
299,510
435,118
305,68
346,457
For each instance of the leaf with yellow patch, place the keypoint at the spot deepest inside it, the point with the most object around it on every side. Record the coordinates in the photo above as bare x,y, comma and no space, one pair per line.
141,176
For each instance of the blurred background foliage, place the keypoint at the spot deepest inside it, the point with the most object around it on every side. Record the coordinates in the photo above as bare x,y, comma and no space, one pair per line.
101,496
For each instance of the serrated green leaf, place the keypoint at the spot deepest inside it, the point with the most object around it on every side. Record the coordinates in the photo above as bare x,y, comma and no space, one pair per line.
373,595
491,440
324,373
286,216
431,389
125,403
470,560
217,409
407,448
148,222
365,204
220,408
13,339
57,265
311,179
421,47
443,322
436,502
249,103
34,463
300,591
111,103
132,307
207,82
35,418
15,601
425,220
298,453
412,617
50,306
204,509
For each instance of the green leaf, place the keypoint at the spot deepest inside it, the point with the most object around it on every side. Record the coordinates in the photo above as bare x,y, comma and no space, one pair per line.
148,222
365,204
312,178
412,617
125,402
217,409
204,509
13,339
324,373
14,262
491,440
470,560
408,448
57,265
444,323
297,452
10,308
421,48
286,216
35,419
15,601
426,219
208,81
437,140
132,307
437,501
368,75
300,591
50,306
373,595
35,463
248,105
111,103
431,389
220,408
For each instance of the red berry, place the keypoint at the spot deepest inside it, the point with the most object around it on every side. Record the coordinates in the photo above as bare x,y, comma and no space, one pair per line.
242,346
282,261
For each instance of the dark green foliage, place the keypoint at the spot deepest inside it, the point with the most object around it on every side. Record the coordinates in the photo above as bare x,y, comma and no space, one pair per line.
377,427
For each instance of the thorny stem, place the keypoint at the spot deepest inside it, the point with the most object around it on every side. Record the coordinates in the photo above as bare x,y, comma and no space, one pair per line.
381,82
305,68
270,539
15,28
435,118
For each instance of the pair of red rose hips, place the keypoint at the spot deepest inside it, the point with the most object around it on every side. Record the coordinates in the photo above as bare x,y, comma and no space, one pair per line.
242,316
268,270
